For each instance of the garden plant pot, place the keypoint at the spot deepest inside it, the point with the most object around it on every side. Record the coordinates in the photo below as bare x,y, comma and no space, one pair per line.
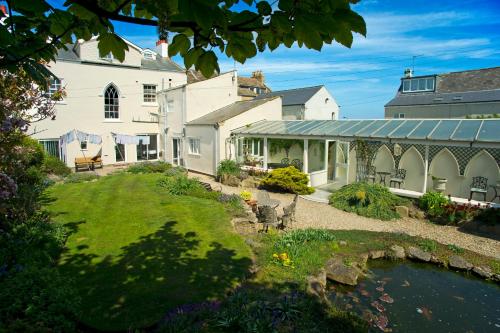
439,184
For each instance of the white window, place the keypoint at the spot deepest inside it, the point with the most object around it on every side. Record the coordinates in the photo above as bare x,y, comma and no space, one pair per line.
399,115
149,93
148,55
83,145
194,146
111,103
55,85
418,84
170,106
108,57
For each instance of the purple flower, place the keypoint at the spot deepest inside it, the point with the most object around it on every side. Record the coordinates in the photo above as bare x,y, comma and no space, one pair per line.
8,187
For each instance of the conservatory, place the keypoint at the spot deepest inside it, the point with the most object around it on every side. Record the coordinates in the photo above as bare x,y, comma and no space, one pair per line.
459,157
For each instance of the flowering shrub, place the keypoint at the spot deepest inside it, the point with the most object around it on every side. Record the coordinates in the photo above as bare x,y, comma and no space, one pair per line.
434,204
283,259
288,180
246,195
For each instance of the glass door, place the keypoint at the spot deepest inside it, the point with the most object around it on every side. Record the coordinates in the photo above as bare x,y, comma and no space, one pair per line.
176,150
120,152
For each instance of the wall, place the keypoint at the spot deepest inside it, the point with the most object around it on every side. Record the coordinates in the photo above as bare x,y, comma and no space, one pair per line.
293,112
83,108
321,106
413,163
444,110
88,51
205,162
174,118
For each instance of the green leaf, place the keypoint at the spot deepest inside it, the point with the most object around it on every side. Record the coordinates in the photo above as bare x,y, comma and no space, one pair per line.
180,44
264,8
110,42
207,64
191,56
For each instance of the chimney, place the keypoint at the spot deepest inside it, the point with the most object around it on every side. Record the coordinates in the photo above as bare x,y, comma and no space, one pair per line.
3,9
162,48
259,76
408,73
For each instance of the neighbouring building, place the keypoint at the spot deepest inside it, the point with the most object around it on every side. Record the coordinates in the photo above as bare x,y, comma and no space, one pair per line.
197,119
306,103
466,94
110,106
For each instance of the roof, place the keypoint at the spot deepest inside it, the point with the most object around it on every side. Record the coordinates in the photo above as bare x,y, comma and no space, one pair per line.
471,132
229,112
472,86
158,64
298,96
251,82
246,92
194,76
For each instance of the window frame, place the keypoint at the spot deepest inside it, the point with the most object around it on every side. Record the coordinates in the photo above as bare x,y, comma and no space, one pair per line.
84,145
193,150
112,108
413,84
108,57
51,90
149,97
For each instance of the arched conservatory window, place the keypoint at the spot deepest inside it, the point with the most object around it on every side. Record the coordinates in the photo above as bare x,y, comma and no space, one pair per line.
111,103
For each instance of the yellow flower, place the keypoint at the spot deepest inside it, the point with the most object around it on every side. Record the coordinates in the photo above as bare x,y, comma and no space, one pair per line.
361,195
275,256
283,256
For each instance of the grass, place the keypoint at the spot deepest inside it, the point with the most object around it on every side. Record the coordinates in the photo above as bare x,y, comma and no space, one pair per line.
136,252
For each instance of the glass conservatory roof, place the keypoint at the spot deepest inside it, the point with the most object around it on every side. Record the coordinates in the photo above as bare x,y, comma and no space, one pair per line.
476,131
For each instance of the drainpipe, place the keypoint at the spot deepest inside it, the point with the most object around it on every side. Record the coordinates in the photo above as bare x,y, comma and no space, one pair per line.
165,128
216,147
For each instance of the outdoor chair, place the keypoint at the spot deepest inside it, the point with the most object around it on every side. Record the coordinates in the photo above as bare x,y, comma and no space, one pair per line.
288,217
479,185
398,178
297,164
89,163
372,172
267,216
263,196
285,162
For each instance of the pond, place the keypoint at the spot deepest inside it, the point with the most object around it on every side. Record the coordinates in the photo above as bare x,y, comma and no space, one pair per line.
414,297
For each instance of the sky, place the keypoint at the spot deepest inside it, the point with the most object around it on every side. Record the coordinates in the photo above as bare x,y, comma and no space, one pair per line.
433,37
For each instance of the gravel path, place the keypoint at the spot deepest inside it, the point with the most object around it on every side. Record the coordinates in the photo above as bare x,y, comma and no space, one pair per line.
311,214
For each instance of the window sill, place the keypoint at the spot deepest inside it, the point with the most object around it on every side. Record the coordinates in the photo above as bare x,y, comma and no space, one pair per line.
112,121
149,104
194,154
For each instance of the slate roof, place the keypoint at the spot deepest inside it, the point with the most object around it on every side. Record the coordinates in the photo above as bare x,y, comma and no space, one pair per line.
298,96
229,111
481,85
158,64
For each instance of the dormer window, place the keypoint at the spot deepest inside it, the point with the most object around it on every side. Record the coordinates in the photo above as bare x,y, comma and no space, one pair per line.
148,55
108,57
418,84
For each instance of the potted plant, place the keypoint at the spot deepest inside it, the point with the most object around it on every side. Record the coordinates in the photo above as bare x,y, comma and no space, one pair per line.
439,184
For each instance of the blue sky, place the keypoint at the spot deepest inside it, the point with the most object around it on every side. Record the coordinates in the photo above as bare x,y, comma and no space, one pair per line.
444,35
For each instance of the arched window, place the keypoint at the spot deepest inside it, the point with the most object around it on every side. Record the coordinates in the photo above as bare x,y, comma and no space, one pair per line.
111,103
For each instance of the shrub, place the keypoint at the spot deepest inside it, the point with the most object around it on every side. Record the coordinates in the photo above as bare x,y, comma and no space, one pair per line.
228,167
489,215
246,195
302,236
53,165
81,177
149,167
181,185
428,245
288,180
176,171
370,200
433,203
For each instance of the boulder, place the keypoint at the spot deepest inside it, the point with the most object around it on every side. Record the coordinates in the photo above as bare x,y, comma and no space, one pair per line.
231,180
458,262
397,252
377,254
418,254
402,211
338,272
436,260
250,182
316,284
484,272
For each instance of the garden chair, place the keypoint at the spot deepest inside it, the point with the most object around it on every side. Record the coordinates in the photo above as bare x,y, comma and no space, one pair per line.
267,216
370,175
89,163
398,178
263,196
288,217
285,161
297,164
479,185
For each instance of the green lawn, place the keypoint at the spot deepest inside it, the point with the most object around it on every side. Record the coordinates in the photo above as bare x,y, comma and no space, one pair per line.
135,252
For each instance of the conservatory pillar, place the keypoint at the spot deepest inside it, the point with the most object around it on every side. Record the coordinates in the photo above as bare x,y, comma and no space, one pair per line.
264,161
305,157
326,156
426,168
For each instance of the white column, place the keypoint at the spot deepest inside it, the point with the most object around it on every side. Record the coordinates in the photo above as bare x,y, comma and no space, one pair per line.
426,168
306,156
265,154
326,156
348,145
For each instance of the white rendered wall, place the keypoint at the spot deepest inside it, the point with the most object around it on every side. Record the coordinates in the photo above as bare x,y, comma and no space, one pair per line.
321,106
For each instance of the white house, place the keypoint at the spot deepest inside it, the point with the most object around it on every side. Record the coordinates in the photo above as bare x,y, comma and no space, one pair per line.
198,118
110,106
310,103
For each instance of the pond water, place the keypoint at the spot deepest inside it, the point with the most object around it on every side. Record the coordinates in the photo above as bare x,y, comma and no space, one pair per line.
413,297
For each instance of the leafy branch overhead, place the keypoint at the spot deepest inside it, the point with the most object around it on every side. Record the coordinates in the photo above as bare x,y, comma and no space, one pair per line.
36,29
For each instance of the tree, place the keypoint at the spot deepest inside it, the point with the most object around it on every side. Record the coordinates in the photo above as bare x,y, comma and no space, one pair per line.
34,30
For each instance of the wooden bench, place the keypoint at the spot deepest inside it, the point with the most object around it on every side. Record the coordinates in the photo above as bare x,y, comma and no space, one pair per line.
88,163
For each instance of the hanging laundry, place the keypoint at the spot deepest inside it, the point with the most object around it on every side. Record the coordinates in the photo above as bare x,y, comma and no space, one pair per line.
95,139
131,139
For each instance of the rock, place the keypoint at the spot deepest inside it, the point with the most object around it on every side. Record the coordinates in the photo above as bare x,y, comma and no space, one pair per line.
342,243
458,262
397,252
316,284
418,254
401,210
376,254
250,182
436,260
361,261
231,180
419,215
338,272
484,272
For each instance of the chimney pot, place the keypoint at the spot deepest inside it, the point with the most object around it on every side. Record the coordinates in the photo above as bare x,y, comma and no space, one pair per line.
258,75
162,48
3,8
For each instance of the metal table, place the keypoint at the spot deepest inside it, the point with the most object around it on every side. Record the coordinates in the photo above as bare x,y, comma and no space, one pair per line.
383,175
495,188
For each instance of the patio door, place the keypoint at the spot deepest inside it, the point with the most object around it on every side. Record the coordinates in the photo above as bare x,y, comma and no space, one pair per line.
338,161
120,152
176,151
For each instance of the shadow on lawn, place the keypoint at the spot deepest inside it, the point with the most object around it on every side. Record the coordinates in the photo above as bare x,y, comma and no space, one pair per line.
151,276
